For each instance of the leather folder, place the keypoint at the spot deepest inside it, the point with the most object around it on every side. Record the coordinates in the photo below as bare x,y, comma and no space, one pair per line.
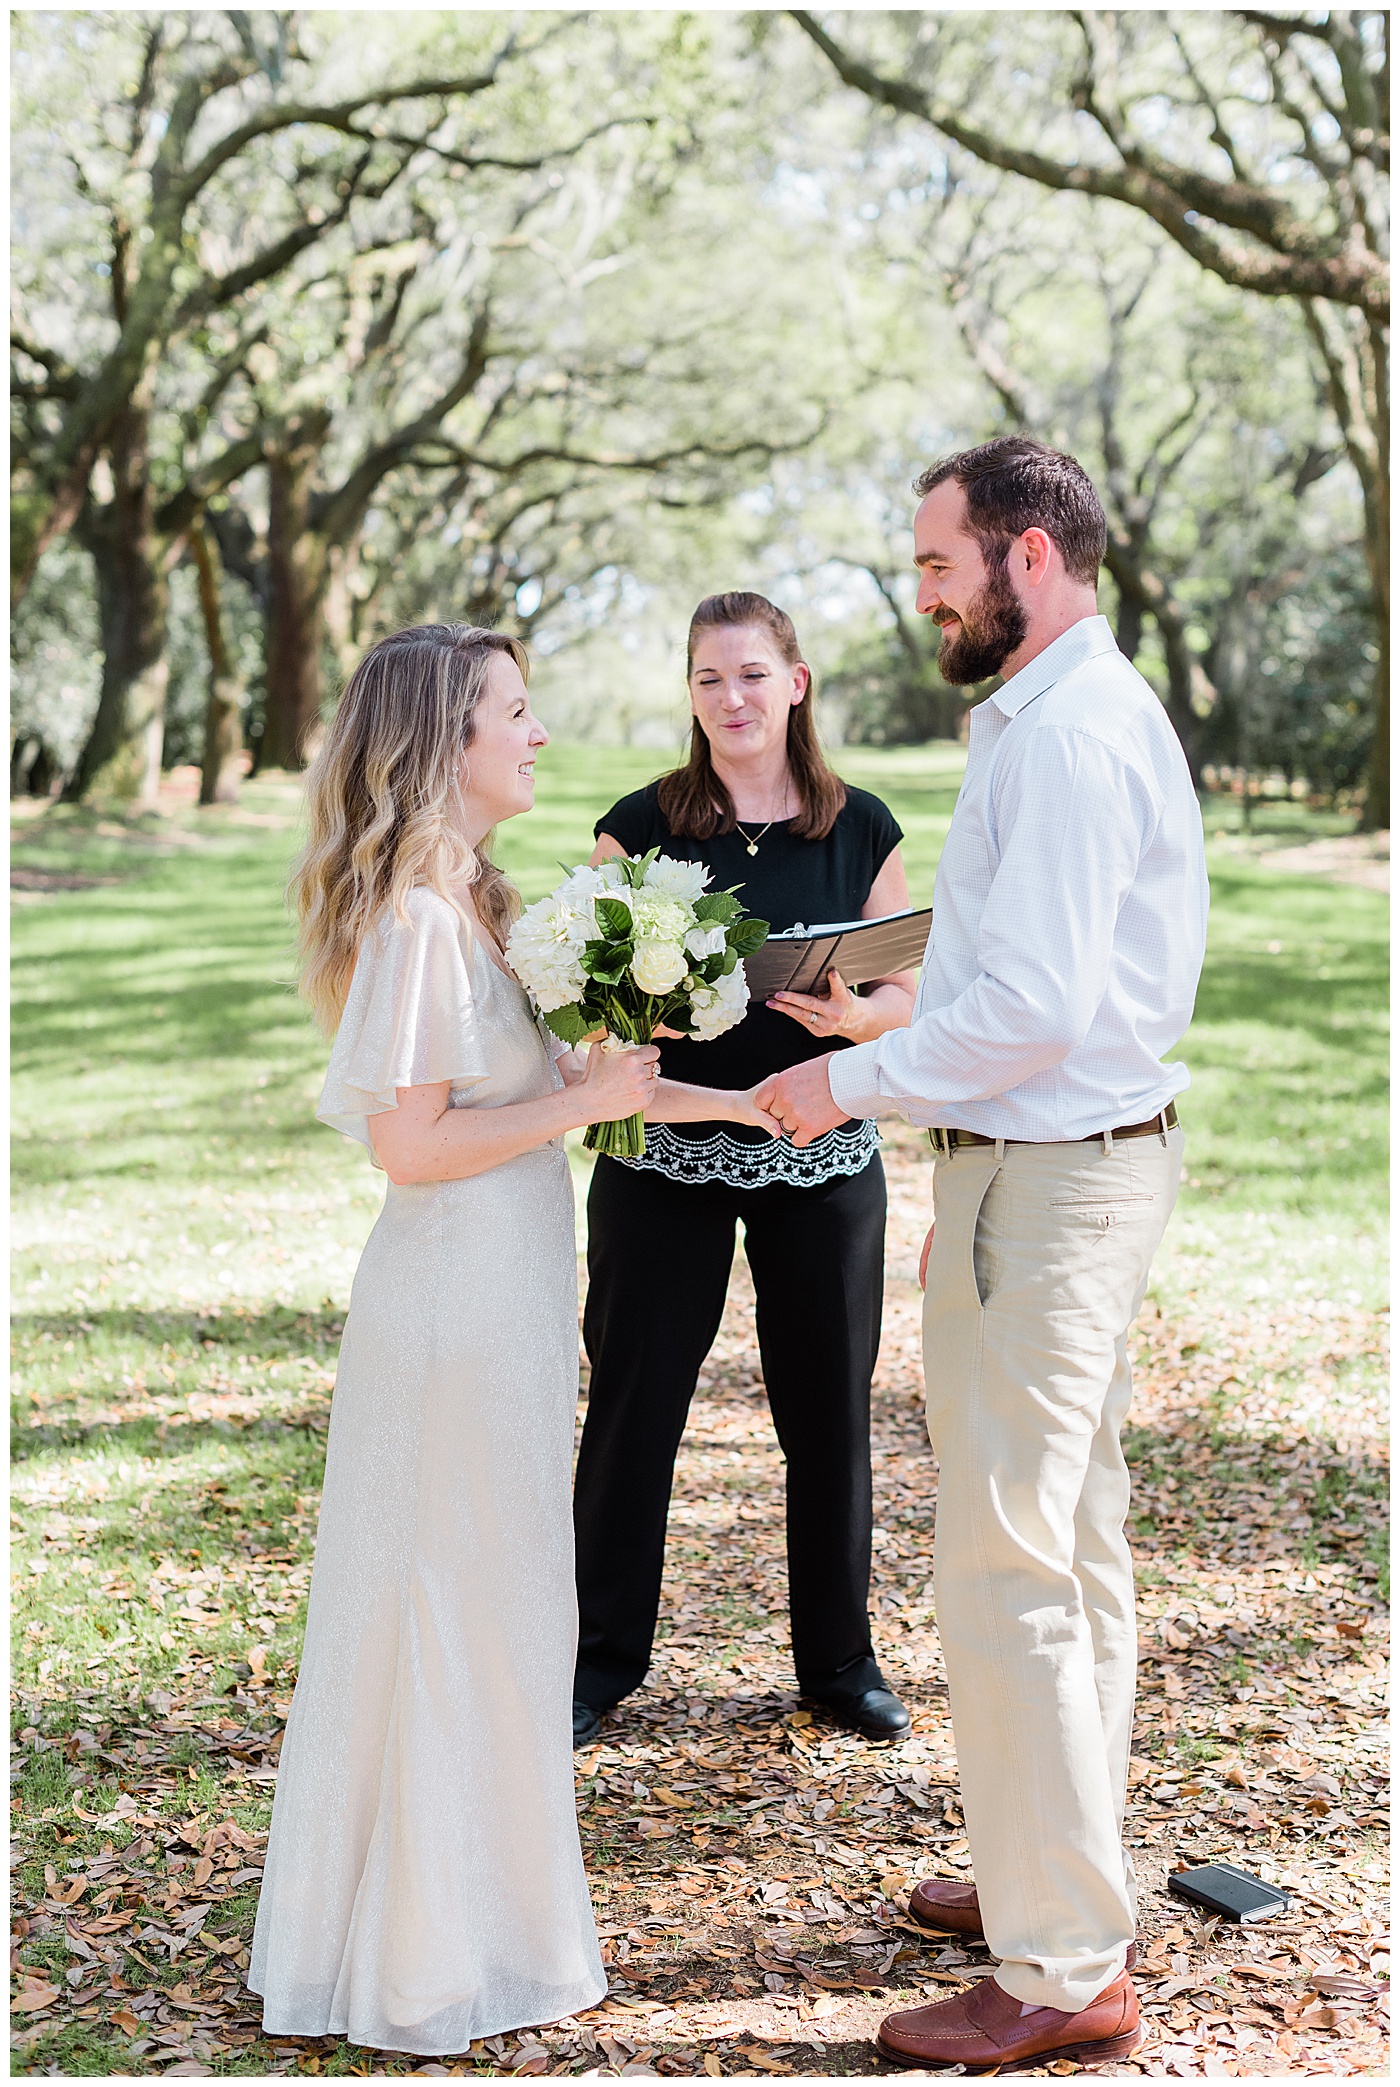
798,960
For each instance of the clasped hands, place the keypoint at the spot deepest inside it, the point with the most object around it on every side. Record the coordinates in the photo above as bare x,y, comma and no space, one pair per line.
800,1100
797,1102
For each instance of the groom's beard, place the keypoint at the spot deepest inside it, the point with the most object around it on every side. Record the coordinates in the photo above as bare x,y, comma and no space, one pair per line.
990,631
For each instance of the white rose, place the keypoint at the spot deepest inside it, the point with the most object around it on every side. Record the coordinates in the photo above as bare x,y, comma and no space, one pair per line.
706,941
658,966
679,880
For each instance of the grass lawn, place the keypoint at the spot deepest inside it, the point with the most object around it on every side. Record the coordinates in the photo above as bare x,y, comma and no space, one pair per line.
185,1235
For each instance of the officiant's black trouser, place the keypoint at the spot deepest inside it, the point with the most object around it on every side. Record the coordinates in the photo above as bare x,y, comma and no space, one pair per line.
659,1256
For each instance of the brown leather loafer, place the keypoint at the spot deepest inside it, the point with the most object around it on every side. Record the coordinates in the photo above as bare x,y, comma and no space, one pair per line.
953,1909
985,2027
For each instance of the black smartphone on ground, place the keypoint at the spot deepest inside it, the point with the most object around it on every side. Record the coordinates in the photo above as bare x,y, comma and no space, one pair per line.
1233,1893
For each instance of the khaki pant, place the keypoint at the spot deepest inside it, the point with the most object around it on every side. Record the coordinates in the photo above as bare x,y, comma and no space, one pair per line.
1039,1265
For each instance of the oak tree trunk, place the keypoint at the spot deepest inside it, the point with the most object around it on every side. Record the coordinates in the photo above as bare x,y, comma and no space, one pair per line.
123,751
296,556
1128,631
1142,592
221,770
1375,816
1356,358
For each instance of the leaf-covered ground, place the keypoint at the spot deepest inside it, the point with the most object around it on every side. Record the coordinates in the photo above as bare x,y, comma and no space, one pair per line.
185,1242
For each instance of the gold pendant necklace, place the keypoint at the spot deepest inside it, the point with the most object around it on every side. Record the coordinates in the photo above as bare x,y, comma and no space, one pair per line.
754,839
753,844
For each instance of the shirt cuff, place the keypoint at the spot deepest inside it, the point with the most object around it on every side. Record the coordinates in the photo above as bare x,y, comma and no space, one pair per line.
854,1079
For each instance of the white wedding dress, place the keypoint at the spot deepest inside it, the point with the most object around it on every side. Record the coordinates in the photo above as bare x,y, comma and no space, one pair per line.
424,1884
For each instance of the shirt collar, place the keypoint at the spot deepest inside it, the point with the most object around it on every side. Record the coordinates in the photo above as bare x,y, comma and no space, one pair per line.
1082,641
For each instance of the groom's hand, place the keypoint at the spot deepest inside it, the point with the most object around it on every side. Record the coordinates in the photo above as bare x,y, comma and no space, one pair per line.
800,1099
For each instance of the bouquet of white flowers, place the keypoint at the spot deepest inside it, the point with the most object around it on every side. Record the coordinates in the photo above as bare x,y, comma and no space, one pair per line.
630,947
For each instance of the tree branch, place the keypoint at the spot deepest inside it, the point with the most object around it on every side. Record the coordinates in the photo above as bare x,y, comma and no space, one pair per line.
64,380
1296,261
331,116
474,160
176,514
222,290
337,515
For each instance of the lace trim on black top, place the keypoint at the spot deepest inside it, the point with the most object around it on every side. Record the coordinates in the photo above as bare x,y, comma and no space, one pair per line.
759,1165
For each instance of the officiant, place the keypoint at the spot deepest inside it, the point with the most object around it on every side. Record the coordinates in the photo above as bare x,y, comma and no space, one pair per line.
757,803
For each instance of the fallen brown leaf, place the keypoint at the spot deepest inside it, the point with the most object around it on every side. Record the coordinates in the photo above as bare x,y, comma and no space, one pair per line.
31,1998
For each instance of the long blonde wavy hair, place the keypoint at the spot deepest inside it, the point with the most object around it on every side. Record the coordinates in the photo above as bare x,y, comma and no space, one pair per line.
384,801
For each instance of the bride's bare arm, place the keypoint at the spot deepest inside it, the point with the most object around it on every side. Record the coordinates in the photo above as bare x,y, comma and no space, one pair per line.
424,1140
677,1101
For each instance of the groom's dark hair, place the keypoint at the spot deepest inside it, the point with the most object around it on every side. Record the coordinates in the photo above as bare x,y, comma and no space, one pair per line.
1013,484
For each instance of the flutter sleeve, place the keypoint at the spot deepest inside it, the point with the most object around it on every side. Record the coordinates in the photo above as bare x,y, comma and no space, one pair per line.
410,1017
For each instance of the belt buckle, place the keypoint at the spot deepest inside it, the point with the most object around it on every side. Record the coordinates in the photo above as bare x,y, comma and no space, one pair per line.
941,1143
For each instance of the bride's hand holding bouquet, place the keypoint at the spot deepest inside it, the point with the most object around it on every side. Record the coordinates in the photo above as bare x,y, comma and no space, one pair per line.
634,948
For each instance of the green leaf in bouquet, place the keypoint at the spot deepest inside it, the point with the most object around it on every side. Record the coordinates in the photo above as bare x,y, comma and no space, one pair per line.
636,871
568,1024
745,936
605,961
716,905
711,968
614,918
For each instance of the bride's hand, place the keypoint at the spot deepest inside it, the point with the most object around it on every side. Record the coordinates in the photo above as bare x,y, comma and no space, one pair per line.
746,1110
618,1084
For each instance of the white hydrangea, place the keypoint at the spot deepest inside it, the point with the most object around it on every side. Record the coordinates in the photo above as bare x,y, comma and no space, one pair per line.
661,919
546,945
720,1006
679,880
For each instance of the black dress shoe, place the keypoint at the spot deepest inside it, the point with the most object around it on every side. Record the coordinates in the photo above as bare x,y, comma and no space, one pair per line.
586,1722
877,1714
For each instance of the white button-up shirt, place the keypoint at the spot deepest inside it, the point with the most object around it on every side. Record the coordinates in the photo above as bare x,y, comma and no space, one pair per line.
1069,915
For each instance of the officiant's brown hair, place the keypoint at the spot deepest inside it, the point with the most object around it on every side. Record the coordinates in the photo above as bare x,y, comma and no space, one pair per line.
692,800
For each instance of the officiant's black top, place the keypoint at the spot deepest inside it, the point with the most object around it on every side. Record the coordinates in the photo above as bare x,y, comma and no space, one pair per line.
788,881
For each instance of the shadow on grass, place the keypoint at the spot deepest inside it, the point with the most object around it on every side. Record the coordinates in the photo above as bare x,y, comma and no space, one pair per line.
268,1329
149,1436
267,1334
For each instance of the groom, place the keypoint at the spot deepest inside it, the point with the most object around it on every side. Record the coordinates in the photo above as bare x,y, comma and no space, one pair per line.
1069,920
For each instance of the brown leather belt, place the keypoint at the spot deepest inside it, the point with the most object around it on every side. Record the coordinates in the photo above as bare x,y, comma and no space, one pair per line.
946,1142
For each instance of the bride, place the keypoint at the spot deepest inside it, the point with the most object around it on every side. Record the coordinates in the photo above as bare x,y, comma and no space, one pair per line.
424,1885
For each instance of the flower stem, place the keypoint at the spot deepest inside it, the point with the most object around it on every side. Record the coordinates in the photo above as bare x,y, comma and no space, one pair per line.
624,1140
